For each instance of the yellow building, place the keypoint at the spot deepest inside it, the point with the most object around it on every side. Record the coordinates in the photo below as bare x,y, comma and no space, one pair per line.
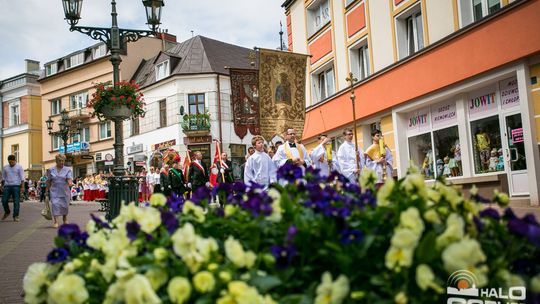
68,83
21,120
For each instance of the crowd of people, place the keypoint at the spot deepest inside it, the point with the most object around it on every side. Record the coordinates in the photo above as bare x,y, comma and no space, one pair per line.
260,167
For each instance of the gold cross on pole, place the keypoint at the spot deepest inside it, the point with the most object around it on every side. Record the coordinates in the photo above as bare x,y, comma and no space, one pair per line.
351,80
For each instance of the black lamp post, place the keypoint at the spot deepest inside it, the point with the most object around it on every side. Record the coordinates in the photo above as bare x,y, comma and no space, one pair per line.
65,130
115,38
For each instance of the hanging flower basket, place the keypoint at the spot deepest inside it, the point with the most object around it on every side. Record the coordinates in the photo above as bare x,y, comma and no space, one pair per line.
121,101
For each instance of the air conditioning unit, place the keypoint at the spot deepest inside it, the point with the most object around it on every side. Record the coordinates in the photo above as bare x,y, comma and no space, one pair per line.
98,156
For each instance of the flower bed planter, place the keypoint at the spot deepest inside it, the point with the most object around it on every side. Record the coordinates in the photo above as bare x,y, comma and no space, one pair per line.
307,240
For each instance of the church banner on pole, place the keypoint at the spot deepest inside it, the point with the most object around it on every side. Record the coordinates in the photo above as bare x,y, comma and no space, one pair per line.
282,96
245,101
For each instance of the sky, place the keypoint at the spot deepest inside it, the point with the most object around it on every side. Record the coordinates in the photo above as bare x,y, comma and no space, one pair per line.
36,29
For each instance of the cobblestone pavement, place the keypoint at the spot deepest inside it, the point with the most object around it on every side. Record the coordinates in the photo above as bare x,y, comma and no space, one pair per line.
28,241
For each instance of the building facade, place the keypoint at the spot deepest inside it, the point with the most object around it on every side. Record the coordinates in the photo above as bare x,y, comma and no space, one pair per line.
67,84
452,84
21,120
188,95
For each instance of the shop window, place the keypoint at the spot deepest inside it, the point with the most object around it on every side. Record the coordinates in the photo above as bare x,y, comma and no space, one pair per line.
487,147
410,32
421,154
318,16
447,152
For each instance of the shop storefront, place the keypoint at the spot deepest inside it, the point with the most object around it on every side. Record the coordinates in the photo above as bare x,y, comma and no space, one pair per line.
473,134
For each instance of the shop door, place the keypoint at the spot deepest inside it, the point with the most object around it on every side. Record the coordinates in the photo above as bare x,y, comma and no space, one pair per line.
515,156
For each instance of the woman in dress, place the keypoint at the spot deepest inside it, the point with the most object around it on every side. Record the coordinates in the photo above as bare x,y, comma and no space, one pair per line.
59,182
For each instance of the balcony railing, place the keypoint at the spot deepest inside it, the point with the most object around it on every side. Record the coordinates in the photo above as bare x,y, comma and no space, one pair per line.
196,123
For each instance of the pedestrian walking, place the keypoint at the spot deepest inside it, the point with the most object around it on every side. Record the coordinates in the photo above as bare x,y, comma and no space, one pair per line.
59,182
42,187
13,176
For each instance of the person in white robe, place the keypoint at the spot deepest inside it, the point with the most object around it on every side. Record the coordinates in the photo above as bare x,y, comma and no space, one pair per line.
348,156
323,157
291,151
260,169
378,156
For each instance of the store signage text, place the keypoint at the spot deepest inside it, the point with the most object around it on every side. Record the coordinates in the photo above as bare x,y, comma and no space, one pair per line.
517,135
165,145
509,93
134,149
443,113
417,120
197,140
482,104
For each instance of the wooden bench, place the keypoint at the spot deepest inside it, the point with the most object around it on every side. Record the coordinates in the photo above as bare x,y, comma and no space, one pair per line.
104,204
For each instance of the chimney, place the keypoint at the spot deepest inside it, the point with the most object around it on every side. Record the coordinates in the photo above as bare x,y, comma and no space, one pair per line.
32,66
167,37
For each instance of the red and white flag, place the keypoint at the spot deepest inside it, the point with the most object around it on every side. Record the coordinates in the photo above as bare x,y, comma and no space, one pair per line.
214,171
187,162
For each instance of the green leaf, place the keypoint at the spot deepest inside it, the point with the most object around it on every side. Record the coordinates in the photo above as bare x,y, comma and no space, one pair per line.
264,284
425,252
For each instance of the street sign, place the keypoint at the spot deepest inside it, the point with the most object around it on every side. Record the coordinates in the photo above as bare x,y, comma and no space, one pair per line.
87,157
140,164
109,163
108,157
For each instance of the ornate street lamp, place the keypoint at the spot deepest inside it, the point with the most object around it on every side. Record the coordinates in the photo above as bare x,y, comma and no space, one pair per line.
64,128
121,188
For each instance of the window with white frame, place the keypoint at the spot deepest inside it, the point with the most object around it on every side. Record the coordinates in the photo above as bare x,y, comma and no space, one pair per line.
83,136
56,142
359,59
474,10
51,69
318,15
105,130
134,126
162,113
323,83
410,32
162,70
55,106
74,60
14,113
99,51
15,151
78,101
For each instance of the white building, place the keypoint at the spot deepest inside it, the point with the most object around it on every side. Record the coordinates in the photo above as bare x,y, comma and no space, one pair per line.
181,87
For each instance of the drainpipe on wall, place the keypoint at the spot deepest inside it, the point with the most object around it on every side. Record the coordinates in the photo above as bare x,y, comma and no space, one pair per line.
219,114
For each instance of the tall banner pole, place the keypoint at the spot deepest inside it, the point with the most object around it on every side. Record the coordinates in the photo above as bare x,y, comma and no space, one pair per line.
220,161
351,79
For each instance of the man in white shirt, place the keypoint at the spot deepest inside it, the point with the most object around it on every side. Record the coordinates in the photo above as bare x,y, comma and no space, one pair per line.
350,160
291,151
260,168
377,161
323,157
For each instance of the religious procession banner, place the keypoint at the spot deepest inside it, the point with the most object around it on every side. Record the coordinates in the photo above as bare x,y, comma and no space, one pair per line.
245,101
282,83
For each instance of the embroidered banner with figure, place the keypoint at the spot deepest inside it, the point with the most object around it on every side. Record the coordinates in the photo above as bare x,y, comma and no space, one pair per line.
245,101
282,82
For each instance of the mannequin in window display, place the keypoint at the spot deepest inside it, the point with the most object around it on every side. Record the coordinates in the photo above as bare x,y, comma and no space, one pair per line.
500,163
452,164
440,167
493,160
426,167
483,143
457,157
446,170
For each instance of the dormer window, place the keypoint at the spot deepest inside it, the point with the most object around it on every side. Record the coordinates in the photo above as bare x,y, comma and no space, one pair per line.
74,60
99,51
51,69
162,70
